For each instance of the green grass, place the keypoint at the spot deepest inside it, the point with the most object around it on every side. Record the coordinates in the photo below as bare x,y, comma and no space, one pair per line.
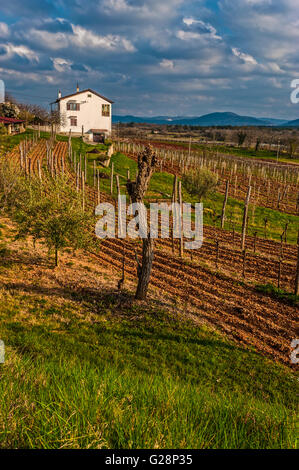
138,378
7,142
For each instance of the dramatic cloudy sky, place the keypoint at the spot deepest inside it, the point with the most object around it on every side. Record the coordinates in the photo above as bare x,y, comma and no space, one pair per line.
155,57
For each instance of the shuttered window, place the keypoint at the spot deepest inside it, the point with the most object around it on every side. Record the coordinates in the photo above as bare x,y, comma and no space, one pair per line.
73,107
106,110
73,121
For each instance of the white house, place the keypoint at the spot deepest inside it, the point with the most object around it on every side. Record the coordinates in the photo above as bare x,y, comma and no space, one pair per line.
85,112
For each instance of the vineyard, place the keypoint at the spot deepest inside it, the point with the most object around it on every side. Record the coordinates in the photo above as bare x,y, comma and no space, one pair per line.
218,281
274,185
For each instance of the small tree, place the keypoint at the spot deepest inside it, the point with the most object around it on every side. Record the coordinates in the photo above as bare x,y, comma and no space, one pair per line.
52,211
11,185
199,183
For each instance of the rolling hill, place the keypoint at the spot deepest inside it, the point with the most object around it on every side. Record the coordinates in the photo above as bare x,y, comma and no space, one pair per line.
294,123
207,120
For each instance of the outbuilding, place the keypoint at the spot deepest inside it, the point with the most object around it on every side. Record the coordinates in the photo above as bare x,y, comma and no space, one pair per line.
13,126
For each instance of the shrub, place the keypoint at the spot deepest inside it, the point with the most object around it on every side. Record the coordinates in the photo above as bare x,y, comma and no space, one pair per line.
51,210
199,183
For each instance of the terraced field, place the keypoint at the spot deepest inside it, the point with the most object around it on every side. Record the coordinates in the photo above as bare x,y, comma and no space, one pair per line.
218,298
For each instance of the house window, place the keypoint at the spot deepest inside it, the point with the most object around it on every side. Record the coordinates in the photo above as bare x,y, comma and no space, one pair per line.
73,107
89,95
106,110
73,120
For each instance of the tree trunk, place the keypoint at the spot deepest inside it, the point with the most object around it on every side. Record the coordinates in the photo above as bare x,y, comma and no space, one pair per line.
297,271
56,257
144,271
111,178
136,190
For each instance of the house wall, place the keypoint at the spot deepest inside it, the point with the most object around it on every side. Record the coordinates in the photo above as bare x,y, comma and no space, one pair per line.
89,116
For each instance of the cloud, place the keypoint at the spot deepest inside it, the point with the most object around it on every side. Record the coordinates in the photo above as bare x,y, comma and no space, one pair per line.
200,28
245,57
149,55
61,65
167,64
4,30
87,39
12,75
77,36
9,50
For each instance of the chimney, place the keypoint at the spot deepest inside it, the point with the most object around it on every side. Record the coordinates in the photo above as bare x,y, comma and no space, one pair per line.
59,94
77,87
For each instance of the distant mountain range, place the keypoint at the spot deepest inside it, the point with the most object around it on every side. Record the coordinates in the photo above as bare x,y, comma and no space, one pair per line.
292,123
213,119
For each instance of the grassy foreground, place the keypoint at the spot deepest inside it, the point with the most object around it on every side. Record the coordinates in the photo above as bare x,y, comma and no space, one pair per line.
87,366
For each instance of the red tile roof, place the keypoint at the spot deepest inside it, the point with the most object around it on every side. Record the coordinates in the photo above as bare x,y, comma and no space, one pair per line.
7,120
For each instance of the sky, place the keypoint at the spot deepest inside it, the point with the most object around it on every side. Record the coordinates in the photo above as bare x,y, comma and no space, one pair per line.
155,57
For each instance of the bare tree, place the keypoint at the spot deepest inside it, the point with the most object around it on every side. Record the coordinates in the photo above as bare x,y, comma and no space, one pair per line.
56,119
297,270
241,138
257,144
146,164
293,145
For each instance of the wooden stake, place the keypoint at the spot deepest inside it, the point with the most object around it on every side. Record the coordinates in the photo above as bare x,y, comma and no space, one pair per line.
181,221
245,215
39,170
98,188
29,167
224,204
174,190
111,178
83,190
